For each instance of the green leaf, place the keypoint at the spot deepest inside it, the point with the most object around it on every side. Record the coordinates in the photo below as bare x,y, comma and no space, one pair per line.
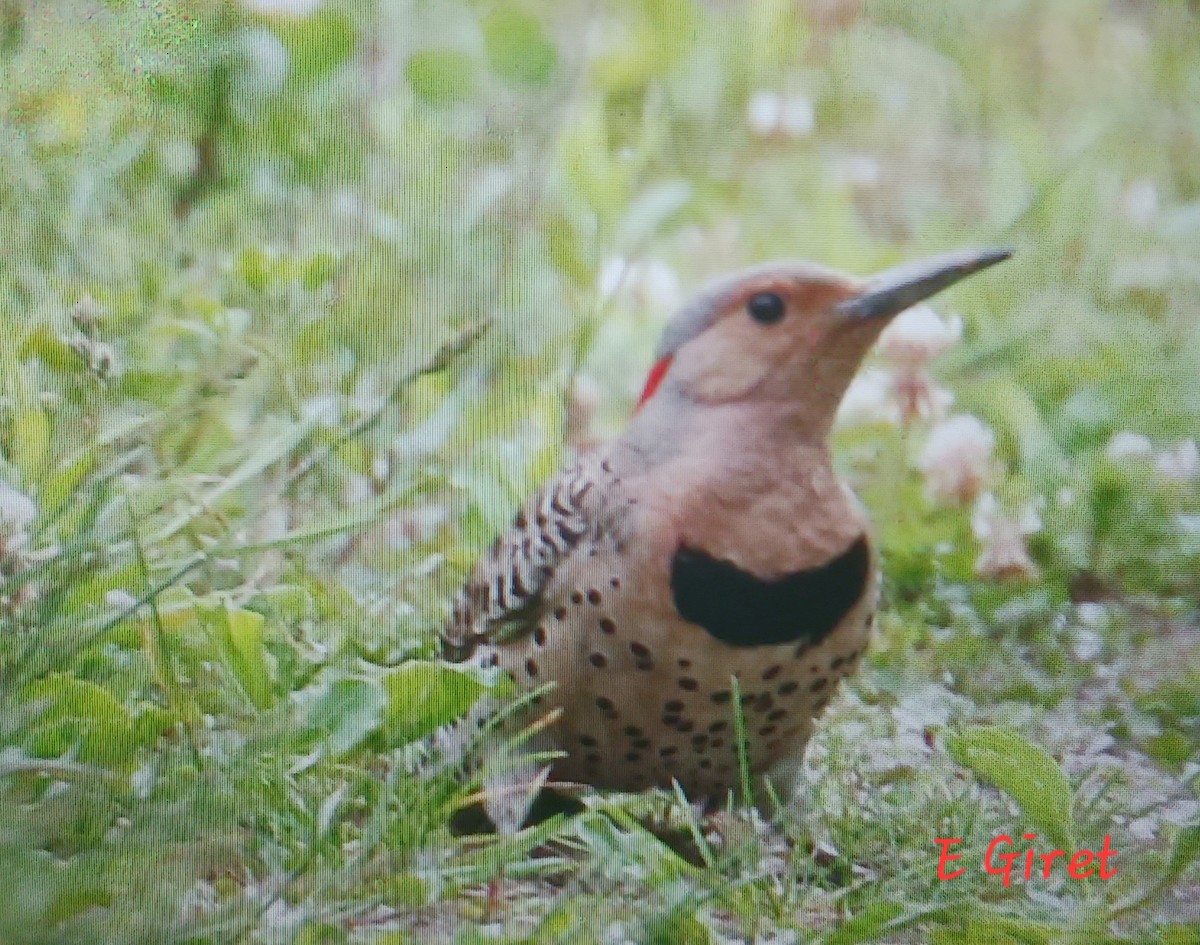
255,266
60,484
518,49
50,349
241,634
317,43
1185,852
441,76
29,442
976,925
82,716
321,933
1171,748
678,927
565,248
1024,771
423,695
347,712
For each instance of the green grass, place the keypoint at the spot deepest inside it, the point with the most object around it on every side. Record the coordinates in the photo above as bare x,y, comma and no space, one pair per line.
292,305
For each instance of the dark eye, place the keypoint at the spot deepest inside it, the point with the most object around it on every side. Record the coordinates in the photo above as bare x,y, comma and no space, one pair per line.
765,308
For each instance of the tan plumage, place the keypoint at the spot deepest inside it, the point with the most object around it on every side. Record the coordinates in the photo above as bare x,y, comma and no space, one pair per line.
711,540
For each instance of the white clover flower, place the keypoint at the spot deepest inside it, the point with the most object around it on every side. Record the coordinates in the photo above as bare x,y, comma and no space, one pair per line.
918,335
179,157
101,357
919,396
358,488
201,900
1129,445
267,61
325,409
1004,555
658,286
1182,463
613,272
17,510
858,170
417,523
798,116
763,112
1088,645
1139,202
957,459
86,313
870,398
770,113
119,599
648,284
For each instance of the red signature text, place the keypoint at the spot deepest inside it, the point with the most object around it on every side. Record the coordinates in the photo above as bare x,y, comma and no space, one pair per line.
1001,859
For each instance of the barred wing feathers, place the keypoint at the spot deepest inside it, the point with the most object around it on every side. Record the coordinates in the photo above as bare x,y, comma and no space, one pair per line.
504,598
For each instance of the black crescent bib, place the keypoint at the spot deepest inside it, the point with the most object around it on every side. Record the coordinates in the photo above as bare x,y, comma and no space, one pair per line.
742,610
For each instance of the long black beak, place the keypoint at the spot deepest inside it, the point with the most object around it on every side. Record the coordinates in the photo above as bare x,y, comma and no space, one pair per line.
891,292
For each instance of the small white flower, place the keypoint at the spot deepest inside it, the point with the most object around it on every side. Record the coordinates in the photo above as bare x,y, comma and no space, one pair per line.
613,272
1129,445
1182,463
198,901
322,408
1091,613
957,459
658,286
1004,554
101,357
17,510
869,399
86,313
142,781
268,61
417,523
179,157
358,488
770,113
919,396
798,117
859,170
119,599
1139,202
763,112
918,335
1088,645
648,284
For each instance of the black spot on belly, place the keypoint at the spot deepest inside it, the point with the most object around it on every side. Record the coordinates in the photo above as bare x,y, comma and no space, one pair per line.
743,610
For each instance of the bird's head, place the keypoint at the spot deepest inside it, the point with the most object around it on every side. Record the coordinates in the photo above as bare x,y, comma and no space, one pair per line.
790,334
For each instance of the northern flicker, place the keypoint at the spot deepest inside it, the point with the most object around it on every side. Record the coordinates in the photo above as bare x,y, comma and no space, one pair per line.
712,539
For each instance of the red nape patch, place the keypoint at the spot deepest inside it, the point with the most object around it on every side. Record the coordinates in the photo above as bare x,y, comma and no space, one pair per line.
657,373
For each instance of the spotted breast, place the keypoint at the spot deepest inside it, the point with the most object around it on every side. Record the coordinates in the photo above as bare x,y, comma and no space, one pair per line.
645,638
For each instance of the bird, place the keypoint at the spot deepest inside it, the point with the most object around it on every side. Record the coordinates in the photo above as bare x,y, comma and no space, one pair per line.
686,599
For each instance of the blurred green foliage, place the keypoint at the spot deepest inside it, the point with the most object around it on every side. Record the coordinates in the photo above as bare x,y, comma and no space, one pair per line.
293,296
